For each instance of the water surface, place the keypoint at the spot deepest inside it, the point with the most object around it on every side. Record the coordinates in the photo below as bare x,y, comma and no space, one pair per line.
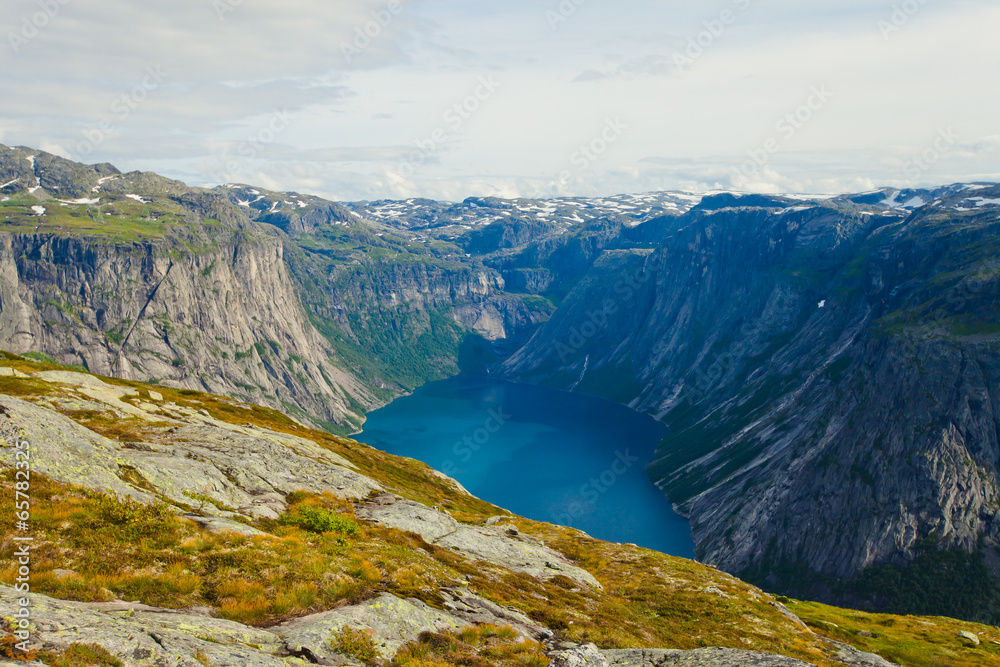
547,455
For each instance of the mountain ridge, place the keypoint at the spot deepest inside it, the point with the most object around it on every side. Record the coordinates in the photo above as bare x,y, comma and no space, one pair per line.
750,324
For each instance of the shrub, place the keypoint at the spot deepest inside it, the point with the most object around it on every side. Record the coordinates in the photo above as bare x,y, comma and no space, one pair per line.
133,513
358,644
317,520
81,655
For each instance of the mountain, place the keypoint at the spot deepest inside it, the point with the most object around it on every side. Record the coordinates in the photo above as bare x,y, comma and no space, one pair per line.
175,527
827,372
826,365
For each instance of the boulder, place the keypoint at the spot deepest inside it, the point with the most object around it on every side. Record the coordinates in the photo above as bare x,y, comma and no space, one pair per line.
491,544
392,620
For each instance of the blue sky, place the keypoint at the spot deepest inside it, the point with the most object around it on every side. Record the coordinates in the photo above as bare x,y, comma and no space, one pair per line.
553,97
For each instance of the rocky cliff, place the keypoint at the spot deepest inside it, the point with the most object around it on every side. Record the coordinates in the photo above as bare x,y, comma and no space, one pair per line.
827,371
826,367
144,278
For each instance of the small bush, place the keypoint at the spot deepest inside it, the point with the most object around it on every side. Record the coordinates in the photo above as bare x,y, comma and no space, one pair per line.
317,520
133,514
82,655
8,646
358,644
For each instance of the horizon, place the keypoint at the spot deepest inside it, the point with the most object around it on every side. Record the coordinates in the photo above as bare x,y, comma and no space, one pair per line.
706,193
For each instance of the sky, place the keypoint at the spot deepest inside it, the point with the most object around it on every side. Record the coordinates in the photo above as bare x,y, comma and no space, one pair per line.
446,99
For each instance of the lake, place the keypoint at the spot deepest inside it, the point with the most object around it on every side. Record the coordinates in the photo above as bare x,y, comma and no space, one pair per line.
548,455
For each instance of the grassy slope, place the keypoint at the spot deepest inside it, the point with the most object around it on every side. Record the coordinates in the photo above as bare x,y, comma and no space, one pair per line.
649,599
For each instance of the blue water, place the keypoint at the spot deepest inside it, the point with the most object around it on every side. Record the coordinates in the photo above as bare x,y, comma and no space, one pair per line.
547,455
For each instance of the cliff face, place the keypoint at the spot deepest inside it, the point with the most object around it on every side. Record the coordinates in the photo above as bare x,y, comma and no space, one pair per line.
828,372
189,320
143,278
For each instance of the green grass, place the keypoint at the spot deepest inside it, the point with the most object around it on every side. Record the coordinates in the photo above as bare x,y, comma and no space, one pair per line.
120,549
907,640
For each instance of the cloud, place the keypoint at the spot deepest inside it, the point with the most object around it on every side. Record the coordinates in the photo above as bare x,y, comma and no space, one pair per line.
364,91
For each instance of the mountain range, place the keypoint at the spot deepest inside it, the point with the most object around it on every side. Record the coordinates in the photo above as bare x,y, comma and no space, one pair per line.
827,366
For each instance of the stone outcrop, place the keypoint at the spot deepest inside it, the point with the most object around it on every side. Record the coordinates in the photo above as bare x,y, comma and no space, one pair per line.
589,656
486,543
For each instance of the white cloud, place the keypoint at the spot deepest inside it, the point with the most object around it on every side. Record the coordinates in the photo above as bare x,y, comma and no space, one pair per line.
354,122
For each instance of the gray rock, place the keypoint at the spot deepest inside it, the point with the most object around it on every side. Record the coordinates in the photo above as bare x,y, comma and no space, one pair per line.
472,608
708,657
393,621
486,543
236,467
969,637
147,638
587,655
855,658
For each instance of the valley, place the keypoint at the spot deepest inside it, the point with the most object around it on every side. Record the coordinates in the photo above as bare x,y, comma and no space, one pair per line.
825,367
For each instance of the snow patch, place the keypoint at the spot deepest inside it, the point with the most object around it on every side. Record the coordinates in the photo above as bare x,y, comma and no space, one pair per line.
84,200
982,201
39,210
139,199
9,183
100,182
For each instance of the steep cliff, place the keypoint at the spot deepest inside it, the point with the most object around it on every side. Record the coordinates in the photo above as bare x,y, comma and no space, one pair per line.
144,278
828,371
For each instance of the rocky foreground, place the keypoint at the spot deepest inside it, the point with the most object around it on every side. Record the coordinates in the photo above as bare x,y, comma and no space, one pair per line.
177,528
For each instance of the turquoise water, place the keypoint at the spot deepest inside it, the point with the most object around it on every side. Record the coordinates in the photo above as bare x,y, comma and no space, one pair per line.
547,455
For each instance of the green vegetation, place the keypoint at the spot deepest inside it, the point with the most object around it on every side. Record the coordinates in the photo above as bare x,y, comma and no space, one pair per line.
319,520
949,583
357,644
118,549
74,655
905,640
480,646
400,346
